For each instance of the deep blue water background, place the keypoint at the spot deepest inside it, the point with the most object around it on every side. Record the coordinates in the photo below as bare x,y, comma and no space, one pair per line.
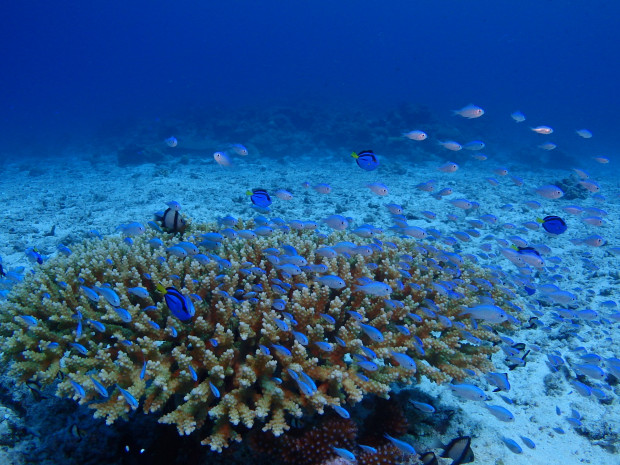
70,67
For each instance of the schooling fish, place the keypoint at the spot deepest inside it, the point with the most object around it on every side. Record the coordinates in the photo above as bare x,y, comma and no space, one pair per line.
415,135
180,306
259,197
366,160
470,111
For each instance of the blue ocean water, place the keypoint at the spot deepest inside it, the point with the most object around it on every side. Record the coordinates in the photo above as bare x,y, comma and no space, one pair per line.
72,70
101,85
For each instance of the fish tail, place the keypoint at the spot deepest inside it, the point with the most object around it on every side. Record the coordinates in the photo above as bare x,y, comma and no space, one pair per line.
160,288
354,155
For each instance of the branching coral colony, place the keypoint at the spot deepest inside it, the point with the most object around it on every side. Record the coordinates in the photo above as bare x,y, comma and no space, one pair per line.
267,340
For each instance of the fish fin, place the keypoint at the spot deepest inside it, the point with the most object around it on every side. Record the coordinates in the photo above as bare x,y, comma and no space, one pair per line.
354,155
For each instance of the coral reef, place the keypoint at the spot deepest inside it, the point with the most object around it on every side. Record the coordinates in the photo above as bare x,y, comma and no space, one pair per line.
265,343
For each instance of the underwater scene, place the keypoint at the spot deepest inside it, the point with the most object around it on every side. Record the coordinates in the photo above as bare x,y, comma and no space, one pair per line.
310,233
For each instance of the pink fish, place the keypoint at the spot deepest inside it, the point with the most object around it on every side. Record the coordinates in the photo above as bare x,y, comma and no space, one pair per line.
461,203
593,220
444,192
550,191
581,173
593,241
451,145
500,171
573,209
516,180
547,146
378,188
449,167
542,129
171,141
221,158
416,135
322,188
591,185
239,149
603,160
394,209
532,204
427,186
284,194
479,156
470,111
584,133
494,182
305,184
337,222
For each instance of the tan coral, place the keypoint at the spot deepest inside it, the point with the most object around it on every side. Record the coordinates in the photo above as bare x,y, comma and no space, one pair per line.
235,344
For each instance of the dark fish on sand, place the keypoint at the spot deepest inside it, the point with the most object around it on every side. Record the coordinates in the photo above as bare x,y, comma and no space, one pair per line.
171,220
459,450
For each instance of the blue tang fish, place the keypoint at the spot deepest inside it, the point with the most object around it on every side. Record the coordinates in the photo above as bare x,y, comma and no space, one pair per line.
366,160
553,224
259,197
180,306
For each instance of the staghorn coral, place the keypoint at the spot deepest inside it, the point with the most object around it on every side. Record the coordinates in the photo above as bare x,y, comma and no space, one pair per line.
235,364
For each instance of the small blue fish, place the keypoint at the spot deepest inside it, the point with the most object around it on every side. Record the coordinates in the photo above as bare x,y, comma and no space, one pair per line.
368,365
404,447
422,407
468,391
97,325
29,320
99,387
344,453
138,292
90,293
79,390
214,390
372,332
301,338
143,370
366,160
512,445
341,411
404,361
79,347
500,413
368,449
326,346
123,314
281,350
528,442
131,400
